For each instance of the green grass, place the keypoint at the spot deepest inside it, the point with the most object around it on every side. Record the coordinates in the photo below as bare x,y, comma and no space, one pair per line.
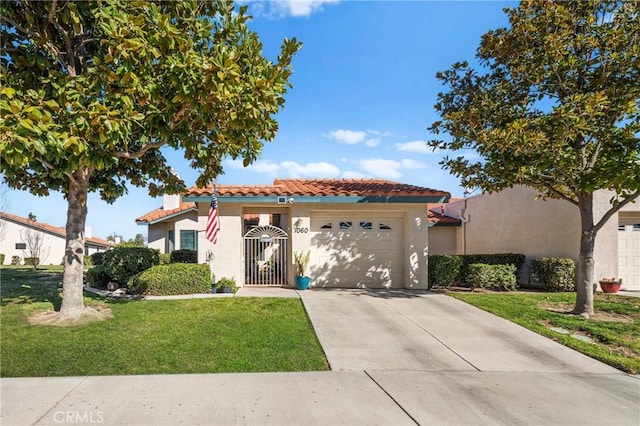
615,329
152,337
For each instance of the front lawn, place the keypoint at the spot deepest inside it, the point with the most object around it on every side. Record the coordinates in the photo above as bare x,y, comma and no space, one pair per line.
614,332
152,337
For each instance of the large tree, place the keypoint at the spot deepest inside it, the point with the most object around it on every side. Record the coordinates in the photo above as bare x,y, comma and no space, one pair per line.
92,90
555,105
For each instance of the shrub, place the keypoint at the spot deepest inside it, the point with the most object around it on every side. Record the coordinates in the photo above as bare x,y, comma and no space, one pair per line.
498,277
15,260
86,261
555,273
165,258
97,277
443,269
32,261
515,259
96,258
226,285
1,259
184,256
172,279
122,263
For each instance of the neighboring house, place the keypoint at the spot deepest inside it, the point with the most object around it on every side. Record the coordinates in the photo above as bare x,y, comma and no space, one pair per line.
360,233
513,220
17,232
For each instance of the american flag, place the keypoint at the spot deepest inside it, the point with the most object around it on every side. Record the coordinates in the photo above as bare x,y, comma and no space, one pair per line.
213,221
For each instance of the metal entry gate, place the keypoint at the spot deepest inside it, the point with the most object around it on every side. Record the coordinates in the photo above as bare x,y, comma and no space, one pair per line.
265,256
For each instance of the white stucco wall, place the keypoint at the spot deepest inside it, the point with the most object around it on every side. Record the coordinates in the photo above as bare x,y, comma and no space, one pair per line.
52,245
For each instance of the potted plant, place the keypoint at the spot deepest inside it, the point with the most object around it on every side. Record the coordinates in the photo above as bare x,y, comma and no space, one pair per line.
301,261
610,285
227,285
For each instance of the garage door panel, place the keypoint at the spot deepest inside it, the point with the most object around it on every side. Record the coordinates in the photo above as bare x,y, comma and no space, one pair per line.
629,253
364,255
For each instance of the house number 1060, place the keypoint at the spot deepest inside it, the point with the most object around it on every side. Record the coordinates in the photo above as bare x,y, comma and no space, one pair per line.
300,230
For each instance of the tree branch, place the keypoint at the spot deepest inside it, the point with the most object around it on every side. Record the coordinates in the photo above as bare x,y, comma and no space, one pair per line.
23,30
71,69
614,209
557,192
137,154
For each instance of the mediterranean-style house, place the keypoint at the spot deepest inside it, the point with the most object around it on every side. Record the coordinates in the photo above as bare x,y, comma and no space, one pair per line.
517,220
360,233
17,233
376,233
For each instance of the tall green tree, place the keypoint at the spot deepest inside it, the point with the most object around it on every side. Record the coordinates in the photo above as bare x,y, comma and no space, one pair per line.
92,90
555,105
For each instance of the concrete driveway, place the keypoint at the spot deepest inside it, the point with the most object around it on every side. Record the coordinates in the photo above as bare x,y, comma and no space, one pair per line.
445,362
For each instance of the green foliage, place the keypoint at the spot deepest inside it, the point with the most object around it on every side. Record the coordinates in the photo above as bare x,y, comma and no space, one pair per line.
515,259
1,258
172,279
301,262
122,263
87,261
443,269
555,273
497,277
226,285
165,258
91,91
97,258
97,277
554,105
184,256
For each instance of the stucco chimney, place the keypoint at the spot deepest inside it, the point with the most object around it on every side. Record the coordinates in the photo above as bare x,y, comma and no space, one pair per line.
170,202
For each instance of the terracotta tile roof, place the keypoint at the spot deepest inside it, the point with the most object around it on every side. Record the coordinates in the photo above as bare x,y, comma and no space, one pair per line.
435,215
160,213
45,227
321,187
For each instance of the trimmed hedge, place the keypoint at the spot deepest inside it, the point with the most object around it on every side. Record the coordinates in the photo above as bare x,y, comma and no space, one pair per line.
172,279
97,277
555,273
165,258
497,277
96,258
443,269
184,256
458,265
122,263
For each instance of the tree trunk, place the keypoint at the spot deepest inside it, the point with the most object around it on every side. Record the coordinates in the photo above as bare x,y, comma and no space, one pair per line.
72,292
584,284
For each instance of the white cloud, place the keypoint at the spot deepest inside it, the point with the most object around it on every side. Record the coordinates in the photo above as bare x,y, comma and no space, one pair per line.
419,147
372,142
298,8
319,170
378,167
349,137
412,164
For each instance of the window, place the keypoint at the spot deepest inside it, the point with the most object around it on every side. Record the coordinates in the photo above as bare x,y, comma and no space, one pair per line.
384,227
366,225
345,225
327,226
636,226
188,240
171,241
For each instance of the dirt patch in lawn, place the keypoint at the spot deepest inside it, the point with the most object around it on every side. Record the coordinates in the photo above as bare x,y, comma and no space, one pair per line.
89,315
565,308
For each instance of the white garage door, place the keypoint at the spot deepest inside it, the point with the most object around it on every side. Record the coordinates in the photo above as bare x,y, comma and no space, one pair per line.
629,253
356,251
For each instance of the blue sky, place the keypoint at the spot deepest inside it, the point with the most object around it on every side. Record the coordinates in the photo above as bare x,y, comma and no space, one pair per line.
363,92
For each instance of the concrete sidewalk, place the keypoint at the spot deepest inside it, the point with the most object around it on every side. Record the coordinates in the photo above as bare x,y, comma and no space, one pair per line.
398,358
